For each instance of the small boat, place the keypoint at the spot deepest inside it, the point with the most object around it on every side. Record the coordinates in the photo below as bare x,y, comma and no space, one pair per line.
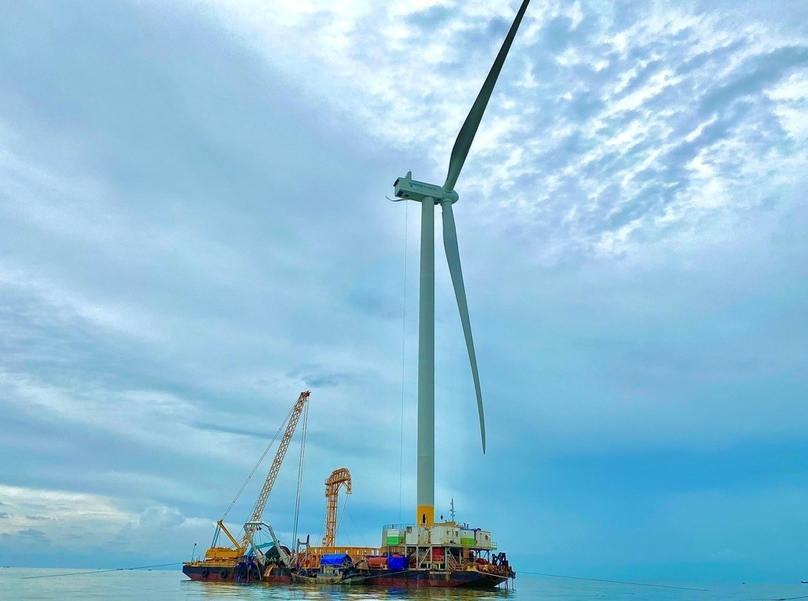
335,568
317,578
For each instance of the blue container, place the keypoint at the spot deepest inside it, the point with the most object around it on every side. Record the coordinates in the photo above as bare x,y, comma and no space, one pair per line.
397,564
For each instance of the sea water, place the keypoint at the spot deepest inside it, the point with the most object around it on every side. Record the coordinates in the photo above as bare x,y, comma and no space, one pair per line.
24,584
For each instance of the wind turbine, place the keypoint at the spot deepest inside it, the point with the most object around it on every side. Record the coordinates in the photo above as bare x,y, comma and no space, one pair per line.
430,195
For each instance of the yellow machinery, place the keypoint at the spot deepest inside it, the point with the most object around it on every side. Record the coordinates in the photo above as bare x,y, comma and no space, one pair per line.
337,479
239,549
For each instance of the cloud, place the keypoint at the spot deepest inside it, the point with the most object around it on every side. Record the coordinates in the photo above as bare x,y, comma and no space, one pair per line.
189,245
26,540
82,523
161,517
65,509
630,125
321,378
232,430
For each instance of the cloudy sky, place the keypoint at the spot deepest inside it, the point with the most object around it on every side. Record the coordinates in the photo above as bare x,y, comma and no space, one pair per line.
193,229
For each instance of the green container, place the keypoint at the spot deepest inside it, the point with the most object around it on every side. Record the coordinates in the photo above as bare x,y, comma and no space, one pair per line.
395,537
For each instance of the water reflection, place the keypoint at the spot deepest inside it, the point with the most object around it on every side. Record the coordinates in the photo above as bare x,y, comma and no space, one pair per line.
336,593
67,585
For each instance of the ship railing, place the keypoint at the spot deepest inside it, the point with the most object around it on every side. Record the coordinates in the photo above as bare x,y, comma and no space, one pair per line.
314,554
398,526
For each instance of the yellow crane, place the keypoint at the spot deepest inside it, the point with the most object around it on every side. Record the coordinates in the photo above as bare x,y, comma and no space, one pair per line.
260,504
337,479
239,548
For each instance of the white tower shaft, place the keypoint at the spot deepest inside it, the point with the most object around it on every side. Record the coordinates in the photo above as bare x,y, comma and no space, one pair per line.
428,195
426,368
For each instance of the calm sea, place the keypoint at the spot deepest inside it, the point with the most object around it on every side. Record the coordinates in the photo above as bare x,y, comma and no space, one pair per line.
136,585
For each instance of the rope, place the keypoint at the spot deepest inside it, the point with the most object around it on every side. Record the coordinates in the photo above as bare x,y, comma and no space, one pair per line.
300,471
403,363
681,588
257,465
85,572
362,536
341,515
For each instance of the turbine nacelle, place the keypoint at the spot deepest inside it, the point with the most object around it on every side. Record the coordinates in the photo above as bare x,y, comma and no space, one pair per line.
407,188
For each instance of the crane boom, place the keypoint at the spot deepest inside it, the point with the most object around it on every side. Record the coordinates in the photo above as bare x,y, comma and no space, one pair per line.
337,479
260,504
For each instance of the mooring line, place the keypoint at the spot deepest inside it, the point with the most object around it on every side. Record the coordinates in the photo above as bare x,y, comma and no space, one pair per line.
681,588
85,572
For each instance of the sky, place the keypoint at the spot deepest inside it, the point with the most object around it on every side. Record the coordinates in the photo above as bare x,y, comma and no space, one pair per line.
194,229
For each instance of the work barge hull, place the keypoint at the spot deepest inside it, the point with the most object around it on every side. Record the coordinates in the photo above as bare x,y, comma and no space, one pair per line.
415,578
205,571
460,558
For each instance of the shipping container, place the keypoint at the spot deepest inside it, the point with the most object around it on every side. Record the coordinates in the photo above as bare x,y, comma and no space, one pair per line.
467,537
482,538
396,563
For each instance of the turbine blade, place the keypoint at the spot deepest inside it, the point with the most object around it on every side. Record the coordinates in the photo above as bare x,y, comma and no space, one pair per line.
469,129
453,258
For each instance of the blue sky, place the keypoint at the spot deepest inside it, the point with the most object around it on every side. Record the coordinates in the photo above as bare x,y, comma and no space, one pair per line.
193,229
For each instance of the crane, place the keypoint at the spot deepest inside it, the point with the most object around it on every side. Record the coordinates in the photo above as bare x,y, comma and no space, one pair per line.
261,503
337,479
240,548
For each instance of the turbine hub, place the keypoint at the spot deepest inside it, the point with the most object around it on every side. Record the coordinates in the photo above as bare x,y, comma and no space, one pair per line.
449,196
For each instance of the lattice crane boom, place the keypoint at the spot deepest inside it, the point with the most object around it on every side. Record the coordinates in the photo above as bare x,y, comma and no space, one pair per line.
337,479
260,504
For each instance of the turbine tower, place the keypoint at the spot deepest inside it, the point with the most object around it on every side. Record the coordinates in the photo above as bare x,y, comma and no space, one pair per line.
430,195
